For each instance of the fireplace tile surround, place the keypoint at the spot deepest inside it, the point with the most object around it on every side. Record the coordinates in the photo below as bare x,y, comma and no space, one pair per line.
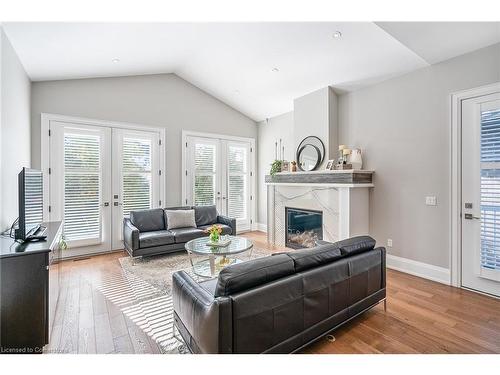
345,206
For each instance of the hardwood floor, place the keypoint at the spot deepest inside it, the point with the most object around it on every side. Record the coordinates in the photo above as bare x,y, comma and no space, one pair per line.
422,316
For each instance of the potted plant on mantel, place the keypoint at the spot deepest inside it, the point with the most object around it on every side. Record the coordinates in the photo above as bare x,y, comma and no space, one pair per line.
277,164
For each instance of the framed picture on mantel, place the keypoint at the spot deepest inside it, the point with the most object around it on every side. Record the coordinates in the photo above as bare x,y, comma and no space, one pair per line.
330,165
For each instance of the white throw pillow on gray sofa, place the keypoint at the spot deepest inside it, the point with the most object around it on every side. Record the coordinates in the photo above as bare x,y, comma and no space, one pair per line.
180,219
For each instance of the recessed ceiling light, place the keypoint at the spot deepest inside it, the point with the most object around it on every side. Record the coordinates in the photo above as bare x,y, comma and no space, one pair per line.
337,34
115,60
275,70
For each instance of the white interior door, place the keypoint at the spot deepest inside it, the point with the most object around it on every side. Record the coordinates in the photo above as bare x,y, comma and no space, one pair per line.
136,176
80,171
98,174
481,194
218,171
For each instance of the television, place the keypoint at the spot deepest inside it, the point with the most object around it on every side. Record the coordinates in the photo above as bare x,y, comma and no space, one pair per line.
30,189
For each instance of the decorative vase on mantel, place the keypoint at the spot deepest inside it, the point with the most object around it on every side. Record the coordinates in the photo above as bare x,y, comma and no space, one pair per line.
355,159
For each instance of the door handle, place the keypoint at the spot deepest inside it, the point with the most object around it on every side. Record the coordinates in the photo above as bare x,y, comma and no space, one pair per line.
106,204
470,217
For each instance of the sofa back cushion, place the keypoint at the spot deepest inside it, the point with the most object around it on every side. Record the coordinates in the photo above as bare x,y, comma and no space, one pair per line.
246,275
148,220
180,219
308,258
356,245
205,215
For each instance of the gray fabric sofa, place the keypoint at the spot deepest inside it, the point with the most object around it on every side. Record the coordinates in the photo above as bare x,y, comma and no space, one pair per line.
280,303
145,232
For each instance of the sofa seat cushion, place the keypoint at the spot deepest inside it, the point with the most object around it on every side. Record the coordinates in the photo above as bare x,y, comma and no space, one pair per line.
205,215
308,258
148,220
243,276
187,234
356,245
156,238
226,229
209,285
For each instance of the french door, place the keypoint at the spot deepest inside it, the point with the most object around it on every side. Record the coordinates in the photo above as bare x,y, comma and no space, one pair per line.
218,171
481,194
99,174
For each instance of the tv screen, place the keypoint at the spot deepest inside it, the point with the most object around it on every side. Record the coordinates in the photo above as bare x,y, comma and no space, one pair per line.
30,202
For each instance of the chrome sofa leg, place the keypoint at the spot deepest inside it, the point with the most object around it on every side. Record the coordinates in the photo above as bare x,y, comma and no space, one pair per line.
385,304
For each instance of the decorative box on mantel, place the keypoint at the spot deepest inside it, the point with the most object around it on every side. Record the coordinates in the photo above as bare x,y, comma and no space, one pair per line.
341,197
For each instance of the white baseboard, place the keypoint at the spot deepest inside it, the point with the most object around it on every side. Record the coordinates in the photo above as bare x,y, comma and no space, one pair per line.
424,270
262,227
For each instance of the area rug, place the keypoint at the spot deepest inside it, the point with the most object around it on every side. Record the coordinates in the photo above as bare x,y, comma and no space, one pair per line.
150,282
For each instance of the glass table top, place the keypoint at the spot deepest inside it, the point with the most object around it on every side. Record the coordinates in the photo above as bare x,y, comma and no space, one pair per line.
238,245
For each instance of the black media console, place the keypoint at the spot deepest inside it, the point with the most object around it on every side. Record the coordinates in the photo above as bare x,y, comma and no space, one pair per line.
29,286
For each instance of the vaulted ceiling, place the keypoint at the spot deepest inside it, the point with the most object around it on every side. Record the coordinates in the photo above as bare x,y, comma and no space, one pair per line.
257,68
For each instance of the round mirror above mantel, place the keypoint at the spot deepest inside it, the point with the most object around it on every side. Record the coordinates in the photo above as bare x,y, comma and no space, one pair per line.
310,153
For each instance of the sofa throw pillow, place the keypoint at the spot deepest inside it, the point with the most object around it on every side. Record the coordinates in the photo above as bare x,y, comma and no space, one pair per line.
180,219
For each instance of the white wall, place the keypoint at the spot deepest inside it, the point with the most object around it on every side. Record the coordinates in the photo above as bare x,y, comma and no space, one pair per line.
278,127
403,126
163,100
15,129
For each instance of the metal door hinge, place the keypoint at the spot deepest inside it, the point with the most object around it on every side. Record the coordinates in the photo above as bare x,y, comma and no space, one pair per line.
50,170
186,201
251,174
186,144
186,172
251,149
50,208
251,197
49,133
159,142
159,172
159,203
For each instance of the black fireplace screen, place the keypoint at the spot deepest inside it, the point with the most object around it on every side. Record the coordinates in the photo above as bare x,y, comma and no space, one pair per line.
303,227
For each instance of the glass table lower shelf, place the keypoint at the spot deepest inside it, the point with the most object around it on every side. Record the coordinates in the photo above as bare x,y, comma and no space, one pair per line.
208,261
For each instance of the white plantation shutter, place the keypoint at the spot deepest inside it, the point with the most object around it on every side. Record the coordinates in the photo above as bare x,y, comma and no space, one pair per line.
237,181
490,190
137,174
204,174
82,170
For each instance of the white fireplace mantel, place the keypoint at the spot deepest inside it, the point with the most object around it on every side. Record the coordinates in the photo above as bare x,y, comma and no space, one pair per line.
345,205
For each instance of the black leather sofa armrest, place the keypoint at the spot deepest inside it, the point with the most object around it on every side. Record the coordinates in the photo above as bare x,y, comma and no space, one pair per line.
384,266
229,221
130,235
207,319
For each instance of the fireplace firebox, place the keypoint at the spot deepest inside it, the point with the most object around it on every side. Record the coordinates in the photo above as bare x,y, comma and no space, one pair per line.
303,227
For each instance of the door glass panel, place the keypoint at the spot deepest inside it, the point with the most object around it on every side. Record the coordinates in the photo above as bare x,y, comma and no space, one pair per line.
204,174
137,170
490,190
82,188
237,182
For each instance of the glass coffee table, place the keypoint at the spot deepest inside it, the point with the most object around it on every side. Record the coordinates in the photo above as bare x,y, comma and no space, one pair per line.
214,258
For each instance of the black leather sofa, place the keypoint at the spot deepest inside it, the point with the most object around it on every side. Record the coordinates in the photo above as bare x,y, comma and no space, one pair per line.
280,303
145,231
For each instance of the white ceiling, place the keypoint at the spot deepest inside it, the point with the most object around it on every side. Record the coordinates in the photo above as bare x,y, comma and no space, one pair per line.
439,41
234,61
